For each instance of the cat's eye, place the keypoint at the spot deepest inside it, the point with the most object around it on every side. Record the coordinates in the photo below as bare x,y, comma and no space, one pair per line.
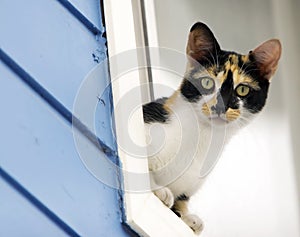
242,90
207,83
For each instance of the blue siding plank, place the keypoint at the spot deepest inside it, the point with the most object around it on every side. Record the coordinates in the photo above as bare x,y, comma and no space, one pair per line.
54,47
19,218
91,9
55,104
50,44
82,18
38,149
38,204
40,152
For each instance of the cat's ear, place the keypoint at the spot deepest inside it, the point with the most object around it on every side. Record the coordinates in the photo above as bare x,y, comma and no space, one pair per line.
201,42
267,56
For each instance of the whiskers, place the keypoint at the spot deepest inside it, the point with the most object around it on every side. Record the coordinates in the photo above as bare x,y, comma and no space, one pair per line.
243,120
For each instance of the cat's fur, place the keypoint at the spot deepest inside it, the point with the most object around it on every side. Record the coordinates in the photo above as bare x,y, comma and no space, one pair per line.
220,92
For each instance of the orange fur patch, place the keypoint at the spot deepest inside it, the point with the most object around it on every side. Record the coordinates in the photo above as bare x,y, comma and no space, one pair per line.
206,110
206,107
170,101
232,114
181,207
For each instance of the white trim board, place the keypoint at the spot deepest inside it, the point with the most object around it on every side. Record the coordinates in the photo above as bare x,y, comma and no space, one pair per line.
144,212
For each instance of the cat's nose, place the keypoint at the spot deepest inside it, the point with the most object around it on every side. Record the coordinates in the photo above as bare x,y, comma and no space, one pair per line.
220,107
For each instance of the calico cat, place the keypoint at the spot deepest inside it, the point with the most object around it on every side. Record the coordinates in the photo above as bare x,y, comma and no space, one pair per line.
221,91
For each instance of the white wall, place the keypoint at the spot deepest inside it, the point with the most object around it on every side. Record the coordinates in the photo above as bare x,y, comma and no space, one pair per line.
253,189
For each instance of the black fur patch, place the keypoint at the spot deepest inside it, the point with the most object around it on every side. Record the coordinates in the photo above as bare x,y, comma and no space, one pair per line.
225,94
155,111
256,99
190,90
176,212
182,197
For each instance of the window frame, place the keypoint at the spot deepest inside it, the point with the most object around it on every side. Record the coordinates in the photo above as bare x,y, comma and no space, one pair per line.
144,213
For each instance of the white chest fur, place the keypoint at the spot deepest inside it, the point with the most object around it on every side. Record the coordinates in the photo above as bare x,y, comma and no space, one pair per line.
182,151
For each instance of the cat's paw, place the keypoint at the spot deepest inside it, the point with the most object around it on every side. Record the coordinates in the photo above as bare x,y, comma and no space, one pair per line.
166,196
194,222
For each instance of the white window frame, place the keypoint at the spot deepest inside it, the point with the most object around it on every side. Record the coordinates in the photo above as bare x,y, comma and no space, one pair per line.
144,212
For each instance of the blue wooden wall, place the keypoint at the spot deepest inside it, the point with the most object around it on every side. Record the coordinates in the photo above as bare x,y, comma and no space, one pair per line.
45,190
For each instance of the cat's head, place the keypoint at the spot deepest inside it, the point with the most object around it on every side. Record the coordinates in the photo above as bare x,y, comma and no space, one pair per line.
227,86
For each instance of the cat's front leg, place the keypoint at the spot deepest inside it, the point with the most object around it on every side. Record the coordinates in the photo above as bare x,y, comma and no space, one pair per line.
180,208
166,196
194,222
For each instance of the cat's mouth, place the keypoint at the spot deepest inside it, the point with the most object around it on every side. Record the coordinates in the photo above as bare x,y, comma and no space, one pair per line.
218,119
222,118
